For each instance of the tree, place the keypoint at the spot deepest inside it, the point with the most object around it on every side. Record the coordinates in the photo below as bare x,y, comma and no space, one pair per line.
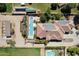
30,3
54,6
72,51
76,19
77,52
11,42
12,31
3,7
23,27
57,16
78,7
66,9
48,14
43,19
48,10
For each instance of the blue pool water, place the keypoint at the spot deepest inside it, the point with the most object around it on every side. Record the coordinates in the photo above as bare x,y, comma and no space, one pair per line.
31,28
50,53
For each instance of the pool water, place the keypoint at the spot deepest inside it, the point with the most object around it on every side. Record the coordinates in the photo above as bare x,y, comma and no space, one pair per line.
31,28
50,53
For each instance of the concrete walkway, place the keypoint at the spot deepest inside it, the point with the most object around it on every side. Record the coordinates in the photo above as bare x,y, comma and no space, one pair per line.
18,39
42,52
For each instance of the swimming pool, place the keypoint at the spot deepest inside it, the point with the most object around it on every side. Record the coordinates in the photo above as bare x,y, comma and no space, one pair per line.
31,28
50,53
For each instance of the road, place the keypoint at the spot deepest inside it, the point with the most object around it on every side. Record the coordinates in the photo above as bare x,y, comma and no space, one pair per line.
18,37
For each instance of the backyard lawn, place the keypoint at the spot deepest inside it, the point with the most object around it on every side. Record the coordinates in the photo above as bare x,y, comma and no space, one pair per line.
19,52
43,7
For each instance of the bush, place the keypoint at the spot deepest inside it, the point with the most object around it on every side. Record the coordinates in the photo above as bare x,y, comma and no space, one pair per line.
3,7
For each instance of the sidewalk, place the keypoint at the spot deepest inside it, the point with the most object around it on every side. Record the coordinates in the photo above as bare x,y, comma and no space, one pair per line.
42,52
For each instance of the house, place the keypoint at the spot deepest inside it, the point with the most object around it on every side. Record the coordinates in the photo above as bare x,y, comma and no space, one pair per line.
5,24
23,10
50,31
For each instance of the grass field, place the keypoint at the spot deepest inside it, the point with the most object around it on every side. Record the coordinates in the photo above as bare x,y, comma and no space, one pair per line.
9,7
19,52
43,7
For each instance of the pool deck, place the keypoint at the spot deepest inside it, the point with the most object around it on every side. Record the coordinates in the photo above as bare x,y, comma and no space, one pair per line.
31,28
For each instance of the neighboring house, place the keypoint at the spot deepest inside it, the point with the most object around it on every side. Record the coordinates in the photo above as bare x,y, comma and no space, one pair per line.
6,29
50,31
19,11
5,24
63,24
23,10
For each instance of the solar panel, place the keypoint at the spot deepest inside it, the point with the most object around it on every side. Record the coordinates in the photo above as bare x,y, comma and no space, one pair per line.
63,22
48,26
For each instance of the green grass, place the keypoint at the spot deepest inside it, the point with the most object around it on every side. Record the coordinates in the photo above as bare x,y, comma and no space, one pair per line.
42,6
9,7
19,52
